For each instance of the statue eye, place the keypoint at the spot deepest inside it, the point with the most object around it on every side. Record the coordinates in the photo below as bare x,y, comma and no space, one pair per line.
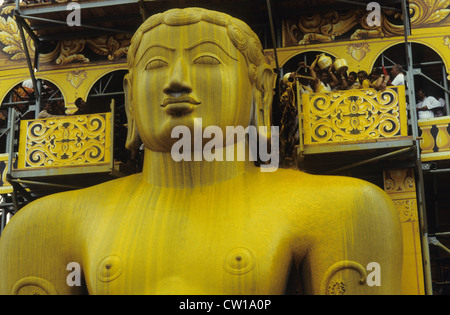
207,60
156,64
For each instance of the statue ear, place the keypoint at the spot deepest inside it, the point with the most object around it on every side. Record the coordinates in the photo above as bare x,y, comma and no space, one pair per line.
133,140
263,97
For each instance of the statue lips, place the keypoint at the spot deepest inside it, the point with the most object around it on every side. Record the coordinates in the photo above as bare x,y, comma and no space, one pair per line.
177,106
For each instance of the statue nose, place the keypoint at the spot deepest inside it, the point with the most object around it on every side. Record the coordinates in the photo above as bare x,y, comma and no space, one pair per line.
178,81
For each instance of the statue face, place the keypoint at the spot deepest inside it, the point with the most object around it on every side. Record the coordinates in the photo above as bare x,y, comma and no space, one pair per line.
187,72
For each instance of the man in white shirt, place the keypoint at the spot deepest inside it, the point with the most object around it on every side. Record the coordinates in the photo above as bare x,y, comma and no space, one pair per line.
397,76
425,105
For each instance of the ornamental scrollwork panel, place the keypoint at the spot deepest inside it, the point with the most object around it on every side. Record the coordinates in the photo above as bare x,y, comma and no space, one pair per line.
110,48
407,210
65,141
399,181
400,185
352,115
351,24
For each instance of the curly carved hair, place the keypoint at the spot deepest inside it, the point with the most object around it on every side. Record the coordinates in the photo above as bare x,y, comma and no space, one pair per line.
240,34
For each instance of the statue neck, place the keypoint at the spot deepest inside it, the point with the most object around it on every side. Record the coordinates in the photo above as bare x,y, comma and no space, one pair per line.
160,169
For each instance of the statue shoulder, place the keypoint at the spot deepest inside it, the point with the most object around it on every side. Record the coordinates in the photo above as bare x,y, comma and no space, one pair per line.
40,235
355,197
330,196
366,198
49,232
67,207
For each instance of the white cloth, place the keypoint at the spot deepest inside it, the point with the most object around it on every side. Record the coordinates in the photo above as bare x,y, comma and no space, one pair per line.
44,114
28,83
306,89
324,88
399,80
430,102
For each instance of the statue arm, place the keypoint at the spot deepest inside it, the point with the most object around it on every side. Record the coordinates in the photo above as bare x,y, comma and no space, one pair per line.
358,249
34,253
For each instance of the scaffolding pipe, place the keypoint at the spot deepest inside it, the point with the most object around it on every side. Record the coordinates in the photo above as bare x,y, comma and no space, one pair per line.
364,4
440,234
415,130
27,54
435,242
380,157
274,41
3,221
444,170
29,182
113,126
36,85
97,28
107,94
418,72
10,140
447,95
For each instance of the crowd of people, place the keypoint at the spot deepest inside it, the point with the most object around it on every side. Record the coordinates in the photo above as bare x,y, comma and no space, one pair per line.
327,77
324,76
50,109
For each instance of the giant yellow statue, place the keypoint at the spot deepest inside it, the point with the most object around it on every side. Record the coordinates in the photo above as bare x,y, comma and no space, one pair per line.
203,227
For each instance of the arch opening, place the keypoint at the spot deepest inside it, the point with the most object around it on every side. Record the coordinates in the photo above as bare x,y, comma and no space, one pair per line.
22,99
103,91
429,70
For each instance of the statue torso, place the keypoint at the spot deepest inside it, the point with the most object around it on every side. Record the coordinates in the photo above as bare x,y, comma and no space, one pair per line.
219,239
248,235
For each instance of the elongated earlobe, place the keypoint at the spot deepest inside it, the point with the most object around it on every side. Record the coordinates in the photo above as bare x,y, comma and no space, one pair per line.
133,140
263,97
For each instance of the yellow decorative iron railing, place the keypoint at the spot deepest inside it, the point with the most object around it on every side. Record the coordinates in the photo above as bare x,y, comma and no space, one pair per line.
5,186
435,143
65,141
354,115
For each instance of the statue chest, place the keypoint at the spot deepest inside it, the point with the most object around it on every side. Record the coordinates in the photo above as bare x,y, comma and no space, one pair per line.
194,252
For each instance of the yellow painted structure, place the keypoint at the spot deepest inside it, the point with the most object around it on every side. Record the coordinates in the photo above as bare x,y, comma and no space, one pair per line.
5,187
362,54
65,141
401,187
430,21
72,82
354,115
65,66
435,143
220,227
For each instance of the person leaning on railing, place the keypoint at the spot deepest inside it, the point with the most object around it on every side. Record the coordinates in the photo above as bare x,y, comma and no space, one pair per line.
377,79
49,111
397,76
363,78
426,105
82,106
352,81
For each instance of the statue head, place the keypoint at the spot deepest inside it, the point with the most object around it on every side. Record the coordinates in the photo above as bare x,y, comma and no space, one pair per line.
194,63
